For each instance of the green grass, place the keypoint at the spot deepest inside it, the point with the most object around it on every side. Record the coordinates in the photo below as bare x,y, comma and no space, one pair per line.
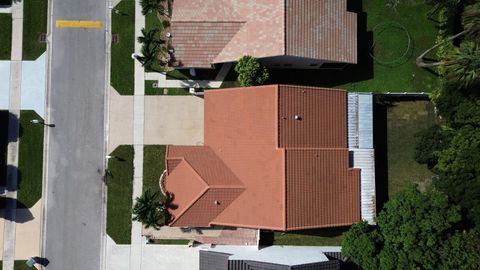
3,146
150,90
372,76
316,237
152,21
404,120
170,241
21,265
5,36
34,22
122,65
30,160
153,166
119,197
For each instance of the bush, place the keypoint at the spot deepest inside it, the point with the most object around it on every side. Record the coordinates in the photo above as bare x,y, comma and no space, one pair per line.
250,71
429,142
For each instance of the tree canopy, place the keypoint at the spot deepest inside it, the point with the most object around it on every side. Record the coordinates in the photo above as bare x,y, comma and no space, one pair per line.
411,229
250,71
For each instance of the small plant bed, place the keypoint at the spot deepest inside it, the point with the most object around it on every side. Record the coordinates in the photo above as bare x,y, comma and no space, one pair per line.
3,146
34,23
122,64
30,160
151,89
5,36
169,241
231,79
404,120
316,237
119,179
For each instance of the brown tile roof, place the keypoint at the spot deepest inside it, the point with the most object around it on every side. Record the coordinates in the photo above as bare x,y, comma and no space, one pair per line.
264,173
262,28
321,30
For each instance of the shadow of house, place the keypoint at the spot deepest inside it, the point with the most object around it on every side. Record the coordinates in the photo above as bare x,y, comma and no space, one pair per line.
381,153
8,121
11,213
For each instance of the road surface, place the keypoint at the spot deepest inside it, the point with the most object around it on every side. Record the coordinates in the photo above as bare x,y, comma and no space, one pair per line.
72,237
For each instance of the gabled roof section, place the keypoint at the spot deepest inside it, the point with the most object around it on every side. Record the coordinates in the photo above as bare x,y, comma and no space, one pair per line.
202,186
217,31
311,117
321,30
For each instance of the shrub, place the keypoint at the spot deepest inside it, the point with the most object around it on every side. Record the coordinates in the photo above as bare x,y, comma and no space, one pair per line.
250,71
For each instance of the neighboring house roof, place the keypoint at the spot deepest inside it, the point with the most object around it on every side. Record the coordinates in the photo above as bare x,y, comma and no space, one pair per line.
216,31
262,168
268,258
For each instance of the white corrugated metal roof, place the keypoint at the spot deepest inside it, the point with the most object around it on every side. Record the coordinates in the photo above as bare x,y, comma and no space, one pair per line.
360,142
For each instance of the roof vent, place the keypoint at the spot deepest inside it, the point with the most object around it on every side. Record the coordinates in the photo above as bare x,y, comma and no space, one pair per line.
298,117
216,202
169,35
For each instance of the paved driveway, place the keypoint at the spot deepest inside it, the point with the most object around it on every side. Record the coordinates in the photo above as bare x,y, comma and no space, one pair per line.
168,120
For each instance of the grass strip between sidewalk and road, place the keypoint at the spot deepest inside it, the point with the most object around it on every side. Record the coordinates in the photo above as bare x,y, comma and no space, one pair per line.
5,36
34,23
30,160
119,180
122,65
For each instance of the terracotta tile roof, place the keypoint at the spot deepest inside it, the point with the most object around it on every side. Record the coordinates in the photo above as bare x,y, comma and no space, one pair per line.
203,33
321,30
273,177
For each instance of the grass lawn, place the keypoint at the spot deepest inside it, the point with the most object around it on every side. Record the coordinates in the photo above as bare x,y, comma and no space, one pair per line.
5,35
34,22
317,237
119,197
404,120
152,21
123,25
30,160
21,265
150,90
153,166
3,146
390,42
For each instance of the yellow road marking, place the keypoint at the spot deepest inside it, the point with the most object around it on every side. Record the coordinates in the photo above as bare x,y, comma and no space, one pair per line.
78,24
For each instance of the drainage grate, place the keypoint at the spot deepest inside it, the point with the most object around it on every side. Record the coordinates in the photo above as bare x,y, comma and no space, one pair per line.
115,38
42,37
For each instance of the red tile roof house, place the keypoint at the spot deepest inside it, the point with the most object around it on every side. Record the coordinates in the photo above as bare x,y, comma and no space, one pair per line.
275,157
281,33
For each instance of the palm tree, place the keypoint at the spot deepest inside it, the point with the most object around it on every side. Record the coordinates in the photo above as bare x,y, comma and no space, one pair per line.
471,29
150,37
149,6
149,57
149,210
465,66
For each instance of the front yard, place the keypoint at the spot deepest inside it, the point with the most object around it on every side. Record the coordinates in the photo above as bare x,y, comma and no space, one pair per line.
122,65
119,179
5,36
30,160
34,23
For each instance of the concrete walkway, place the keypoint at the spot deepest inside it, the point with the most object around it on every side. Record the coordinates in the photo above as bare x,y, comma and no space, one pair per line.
13,135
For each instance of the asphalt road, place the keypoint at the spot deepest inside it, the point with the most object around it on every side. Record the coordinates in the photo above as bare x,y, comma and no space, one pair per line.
73,228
